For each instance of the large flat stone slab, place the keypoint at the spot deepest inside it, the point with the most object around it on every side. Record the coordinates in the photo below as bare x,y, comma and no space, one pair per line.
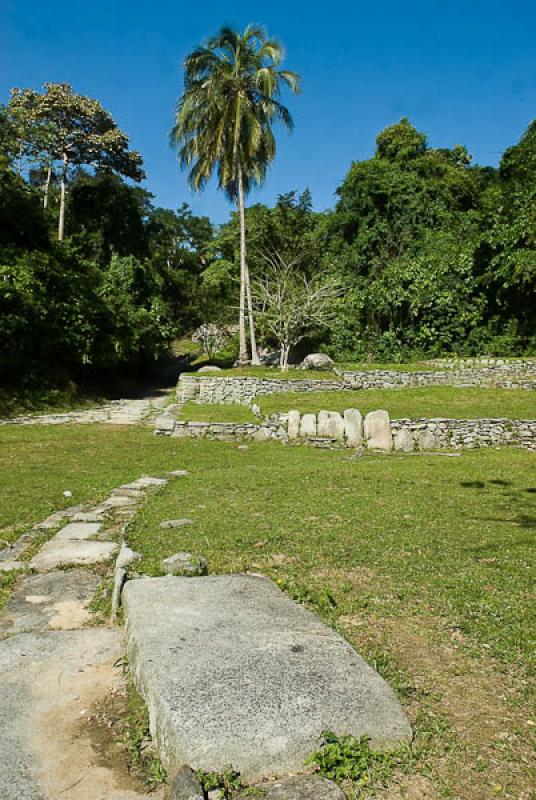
57,553
234,672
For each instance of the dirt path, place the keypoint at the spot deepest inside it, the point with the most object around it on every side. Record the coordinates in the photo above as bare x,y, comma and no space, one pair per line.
55,669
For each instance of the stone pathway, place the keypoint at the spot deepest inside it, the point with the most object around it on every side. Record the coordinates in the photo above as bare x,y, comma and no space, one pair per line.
117,412
53,667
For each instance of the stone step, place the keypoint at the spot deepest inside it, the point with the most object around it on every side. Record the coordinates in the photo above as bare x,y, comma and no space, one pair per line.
235,673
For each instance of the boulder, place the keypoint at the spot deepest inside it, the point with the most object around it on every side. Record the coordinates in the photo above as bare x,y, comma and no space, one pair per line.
308,426
293,425
403,440
353,427
262,434
185,565
271,359
330,425
317,361
377,430
209,368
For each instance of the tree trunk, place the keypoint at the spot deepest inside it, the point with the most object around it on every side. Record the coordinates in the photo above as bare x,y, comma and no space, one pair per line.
283,356
254,353
243,348
47,187
61,223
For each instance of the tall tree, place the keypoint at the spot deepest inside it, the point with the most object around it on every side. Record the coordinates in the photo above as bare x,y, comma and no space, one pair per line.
224,123
79,132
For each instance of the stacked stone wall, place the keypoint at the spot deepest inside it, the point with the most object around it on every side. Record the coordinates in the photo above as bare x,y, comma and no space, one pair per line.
376,431
244,390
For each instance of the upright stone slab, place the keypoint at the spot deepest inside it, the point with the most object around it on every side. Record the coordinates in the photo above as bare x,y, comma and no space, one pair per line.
293,425
234,672
308,426
330,425
377,429
403,440
353,427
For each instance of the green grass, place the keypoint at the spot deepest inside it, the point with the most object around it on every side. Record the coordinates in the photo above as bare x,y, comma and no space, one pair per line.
38,463
292,374
216,413
446,544
453,533
434,401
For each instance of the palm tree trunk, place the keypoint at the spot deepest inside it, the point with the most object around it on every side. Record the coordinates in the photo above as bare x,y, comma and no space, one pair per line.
61,222
243,348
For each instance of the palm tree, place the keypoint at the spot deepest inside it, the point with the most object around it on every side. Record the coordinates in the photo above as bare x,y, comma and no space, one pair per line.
224,123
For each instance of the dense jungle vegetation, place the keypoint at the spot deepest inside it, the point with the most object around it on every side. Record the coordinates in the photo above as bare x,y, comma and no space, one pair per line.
435,254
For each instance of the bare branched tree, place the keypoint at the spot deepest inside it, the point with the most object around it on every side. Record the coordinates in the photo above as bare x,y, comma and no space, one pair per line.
289,305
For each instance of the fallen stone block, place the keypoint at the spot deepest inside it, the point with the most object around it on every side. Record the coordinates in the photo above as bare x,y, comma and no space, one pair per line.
234,672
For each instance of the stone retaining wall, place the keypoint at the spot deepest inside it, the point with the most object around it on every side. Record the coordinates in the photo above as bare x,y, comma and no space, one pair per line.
512,364
376,431
244,390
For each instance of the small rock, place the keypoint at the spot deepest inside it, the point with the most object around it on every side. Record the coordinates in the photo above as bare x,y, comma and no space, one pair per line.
300,787
185,564
243,447
179,473
185,786
214,794
317,361
209,368
255,409
11,565
176,523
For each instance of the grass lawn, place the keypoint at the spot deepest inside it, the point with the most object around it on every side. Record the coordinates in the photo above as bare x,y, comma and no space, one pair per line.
425,563
433,401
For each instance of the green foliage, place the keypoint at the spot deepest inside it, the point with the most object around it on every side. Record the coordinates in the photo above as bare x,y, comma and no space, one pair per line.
343,758
227,781
136,738
224,118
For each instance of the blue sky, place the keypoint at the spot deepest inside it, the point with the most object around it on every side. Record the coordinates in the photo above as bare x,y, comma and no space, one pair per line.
462,72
